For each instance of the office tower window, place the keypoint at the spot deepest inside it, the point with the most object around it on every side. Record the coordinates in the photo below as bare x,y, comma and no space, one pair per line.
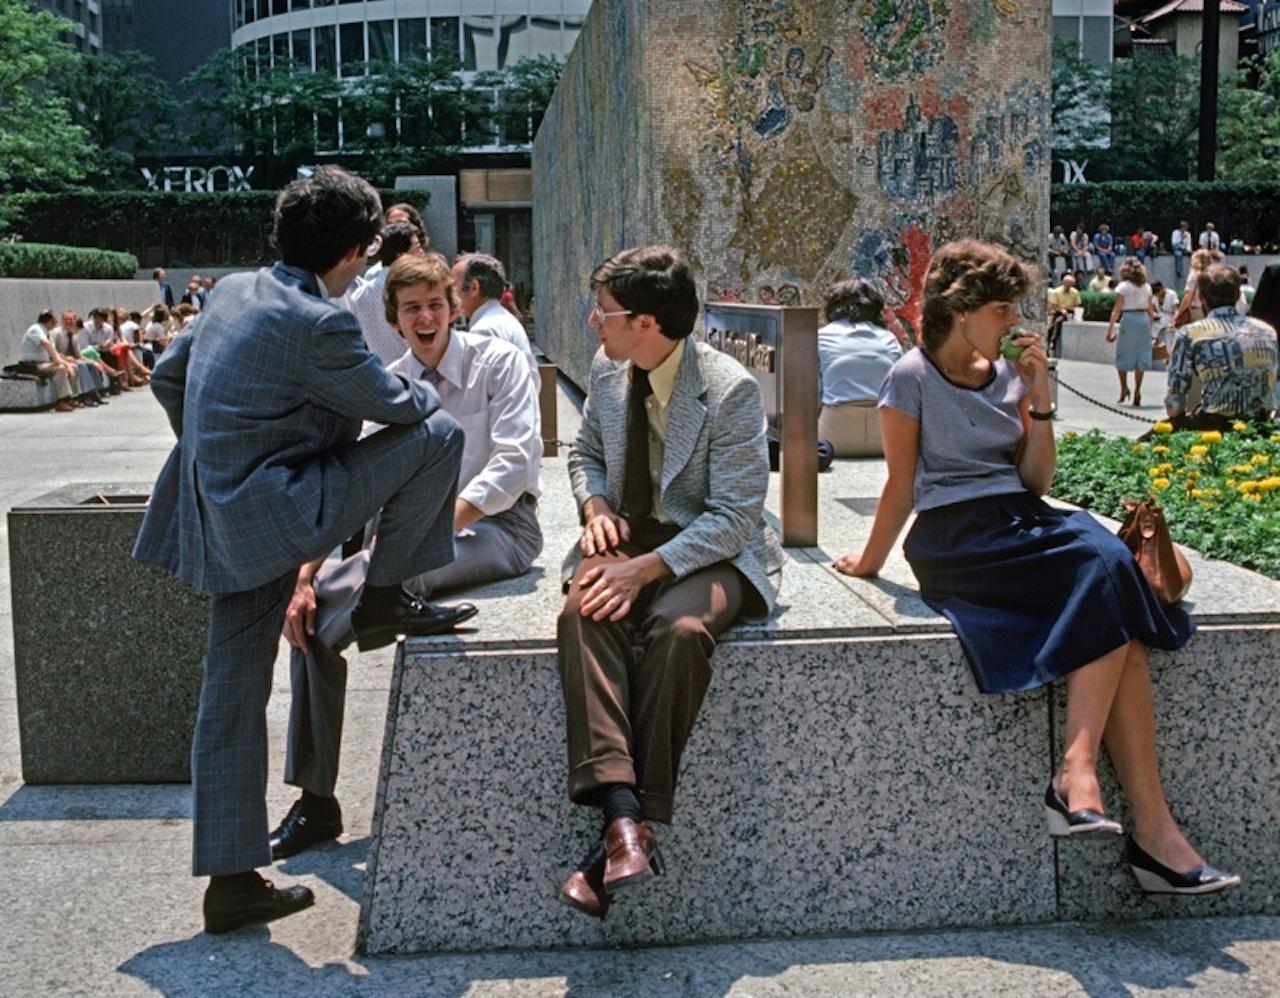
326,49
352,48
382,41
280,50
444,37
302,48
279,6
413,38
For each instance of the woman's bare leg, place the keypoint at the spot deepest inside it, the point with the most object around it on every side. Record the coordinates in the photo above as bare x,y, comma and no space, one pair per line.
1137,384
1130,737
1124,384
1091,689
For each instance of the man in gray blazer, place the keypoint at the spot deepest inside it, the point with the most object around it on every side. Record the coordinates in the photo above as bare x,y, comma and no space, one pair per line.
266,394
670,471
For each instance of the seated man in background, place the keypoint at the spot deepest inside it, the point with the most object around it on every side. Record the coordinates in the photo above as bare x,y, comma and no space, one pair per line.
1234,358
38,356
487,385
364,299
94,376
669,471
1063,301
855,352
1101,282
481,280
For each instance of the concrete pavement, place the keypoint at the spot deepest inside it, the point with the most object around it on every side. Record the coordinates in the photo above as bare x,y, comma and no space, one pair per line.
95,897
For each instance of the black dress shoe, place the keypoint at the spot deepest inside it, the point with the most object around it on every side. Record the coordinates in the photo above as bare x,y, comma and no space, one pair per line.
305,826
1075,824
1156,878
233,905
409,616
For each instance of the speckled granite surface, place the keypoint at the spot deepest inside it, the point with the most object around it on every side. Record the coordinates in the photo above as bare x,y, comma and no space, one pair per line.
107,652
1219,744
844,776
825,789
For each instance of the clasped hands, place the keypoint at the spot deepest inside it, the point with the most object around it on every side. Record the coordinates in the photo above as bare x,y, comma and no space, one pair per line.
610,589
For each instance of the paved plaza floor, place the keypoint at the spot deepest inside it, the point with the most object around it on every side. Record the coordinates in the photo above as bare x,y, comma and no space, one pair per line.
96,898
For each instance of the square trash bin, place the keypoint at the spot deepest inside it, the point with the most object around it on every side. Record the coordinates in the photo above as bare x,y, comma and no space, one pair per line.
108,652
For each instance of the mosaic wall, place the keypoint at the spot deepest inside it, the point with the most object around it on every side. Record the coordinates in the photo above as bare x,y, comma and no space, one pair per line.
789,144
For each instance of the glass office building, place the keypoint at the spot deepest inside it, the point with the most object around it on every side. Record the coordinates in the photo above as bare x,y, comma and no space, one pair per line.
344,36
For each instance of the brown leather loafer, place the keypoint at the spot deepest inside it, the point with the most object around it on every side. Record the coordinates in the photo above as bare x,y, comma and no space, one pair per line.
631,854
585,887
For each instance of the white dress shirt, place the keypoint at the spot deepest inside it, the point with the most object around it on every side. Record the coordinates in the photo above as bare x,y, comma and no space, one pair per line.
491,319
1210,240
365,302
489,387
93,335
1181,240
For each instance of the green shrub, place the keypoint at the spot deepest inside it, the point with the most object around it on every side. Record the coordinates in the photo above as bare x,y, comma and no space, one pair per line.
46,260
1221,498
1250,211
1097,305
162,228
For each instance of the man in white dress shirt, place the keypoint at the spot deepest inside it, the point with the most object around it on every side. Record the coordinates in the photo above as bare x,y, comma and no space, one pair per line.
364,300
1209,238
480,280
489,387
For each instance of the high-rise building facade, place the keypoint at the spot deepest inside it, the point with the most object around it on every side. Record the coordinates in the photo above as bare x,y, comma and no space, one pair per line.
86,19
344,36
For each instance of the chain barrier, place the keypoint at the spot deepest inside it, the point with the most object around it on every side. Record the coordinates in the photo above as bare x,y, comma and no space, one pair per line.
1104,405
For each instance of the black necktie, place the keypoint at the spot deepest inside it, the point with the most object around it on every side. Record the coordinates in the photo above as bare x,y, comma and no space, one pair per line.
637,487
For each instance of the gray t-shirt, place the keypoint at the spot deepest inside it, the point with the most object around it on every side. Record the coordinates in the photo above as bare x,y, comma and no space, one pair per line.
967,435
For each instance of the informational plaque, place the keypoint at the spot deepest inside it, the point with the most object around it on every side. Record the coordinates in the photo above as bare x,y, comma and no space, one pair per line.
779,345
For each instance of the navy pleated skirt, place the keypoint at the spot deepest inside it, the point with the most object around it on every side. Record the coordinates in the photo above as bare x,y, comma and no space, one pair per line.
1034,592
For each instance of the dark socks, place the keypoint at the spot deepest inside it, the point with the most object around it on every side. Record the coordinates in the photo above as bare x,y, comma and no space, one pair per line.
236,881
618,800
379,597
314,804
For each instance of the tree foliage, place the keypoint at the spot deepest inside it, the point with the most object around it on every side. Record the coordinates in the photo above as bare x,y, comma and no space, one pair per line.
41,148
1249,124
1135,120
123,107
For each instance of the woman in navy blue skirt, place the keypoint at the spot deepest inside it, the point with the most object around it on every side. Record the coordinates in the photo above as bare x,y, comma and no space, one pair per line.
1035,594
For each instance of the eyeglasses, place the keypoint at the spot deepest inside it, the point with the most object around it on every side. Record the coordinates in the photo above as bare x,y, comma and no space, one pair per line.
599,315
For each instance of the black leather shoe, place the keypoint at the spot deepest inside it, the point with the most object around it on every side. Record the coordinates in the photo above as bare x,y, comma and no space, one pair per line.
233,906
410,616
303,827
1156,878
1075,824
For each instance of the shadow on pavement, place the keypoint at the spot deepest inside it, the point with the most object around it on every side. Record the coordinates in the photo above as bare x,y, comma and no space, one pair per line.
1101,961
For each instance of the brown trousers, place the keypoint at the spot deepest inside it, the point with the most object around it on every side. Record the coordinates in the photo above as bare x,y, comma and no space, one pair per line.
628,717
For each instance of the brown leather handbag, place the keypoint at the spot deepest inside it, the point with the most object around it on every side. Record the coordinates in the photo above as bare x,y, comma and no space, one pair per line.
1146,534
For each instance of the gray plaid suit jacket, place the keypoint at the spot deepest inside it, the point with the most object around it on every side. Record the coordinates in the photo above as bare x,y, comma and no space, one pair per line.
715,465
262,391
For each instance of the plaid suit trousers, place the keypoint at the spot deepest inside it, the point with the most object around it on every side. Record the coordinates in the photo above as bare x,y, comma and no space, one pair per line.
410,473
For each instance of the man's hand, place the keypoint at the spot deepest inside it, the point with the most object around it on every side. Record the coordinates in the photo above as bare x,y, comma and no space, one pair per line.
858,565
465,514
300,618
611,589
602,529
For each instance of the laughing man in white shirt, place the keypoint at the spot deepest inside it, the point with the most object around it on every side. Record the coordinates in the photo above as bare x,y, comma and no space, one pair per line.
490,388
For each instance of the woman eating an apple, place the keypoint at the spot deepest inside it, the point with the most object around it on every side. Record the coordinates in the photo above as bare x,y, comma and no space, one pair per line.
1035,594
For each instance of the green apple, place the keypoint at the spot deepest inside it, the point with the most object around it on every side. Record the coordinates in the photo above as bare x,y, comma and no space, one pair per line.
1008,347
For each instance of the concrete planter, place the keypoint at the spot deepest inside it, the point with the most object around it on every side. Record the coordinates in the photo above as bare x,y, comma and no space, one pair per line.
107,652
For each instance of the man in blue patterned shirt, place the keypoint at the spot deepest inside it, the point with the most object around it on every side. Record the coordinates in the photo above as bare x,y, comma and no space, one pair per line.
1233,357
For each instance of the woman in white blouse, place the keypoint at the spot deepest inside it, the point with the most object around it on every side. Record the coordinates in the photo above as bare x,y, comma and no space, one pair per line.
1134,310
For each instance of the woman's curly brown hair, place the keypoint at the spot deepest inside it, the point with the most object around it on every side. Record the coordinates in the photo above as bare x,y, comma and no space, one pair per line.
963,276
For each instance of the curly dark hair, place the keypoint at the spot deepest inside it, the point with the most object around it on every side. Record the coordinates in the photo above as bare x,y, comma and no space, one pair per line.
856,299
963,276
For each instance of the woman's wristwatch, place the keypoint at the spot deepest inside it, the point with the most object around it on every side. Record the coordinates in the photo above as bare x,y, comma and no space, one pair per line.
1042,415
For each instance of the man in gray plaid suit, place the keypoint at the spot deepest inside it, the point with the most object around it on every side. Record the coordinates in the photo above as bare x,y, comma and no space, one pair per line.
266,394
670,471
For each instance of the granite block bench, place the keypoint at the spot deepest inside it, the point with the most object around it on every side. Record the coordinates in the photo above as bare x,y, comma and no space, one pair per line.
26,391
844,776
